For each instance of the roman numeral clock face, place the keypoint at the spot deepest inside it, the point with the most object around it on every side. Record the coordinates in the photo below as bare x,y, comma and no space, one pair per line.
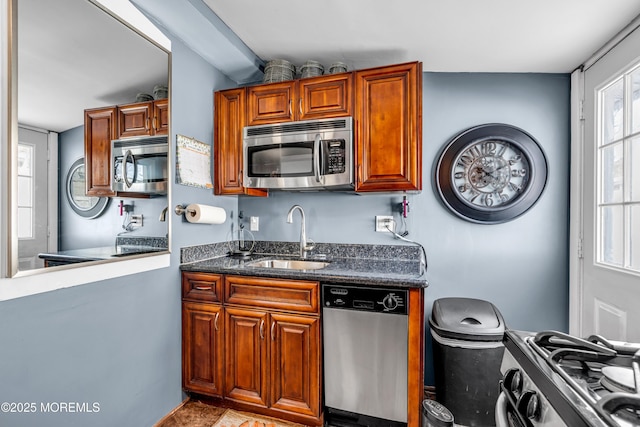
491,173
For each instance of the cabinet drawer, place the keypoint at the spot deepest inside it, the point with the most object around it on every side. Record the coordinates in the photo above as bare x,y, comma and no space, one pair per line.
202,287
289,295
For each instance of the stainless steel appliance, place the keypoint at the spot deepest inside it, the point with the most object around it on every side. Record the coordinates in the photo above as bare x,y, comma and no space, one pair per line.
300,155
140,165
555,379
365,355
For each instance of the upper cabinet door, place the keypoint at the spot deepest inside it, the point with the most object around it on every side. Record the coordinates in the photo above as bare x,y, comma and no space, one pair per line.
99,130
135,120
270,103
305,99
228,124
160,121
227,136
388,117
325,96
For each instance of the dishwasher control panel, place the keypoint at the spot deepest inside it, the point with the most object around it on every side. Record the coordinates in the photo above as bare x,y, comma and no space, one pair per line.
374,299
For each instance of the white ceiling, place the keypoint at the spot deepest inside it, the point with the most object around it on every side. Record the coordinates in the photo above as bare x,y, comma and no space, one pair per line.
546,36
73,56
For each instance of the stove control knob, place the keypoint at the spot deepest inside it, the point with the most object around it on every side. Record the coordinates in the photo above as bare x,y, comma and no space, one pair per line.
389,302
513,380
529,405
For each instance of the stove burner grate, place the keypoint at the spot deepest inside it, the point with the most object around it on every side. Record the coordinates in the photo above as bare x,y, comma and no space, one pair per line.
602,373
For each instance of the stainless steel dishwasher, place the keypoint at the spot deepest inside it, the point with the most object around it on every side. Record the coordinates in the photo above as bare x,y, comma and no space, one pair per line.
365,355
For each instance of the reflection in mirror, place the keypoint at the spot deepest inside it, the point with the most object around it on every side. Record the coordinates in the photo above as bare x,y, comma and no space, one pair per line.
85,206
74,56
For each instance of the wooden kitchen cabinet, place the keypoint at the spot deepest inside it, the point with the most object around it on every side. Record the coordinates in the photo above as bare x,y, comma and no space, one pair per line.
102,125
247,356
273,361
143,119
385,102
161,116
254,342
99,129
202,287
305,99
203,348
295,364
202,333
273,346
229,122
388,116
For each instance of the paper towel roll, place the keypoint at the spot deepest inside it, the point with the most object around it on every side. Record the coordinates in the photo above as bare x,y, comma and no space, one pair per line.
203,214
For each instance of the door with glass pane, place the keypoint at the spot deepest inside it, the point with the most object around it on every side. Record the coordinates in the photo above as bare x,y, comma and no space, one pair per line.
33,204
610,294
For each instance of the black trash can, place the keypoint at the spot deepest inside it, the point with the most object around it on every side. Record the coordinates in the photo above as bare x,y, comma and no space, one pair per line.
467,350
434,414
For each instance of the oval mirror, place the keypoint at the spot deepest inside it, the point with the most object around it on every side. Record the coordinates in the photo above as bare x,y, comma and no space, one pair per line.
85,206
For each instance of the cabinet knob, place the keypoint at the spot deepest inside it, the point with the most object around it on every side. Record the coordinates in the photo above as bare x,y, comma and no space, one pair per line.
273,336
215,322
300,106
262,329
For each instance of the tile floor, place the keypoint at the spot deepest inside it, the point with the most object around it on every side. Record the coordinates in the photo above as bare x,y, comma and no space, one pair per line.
193,414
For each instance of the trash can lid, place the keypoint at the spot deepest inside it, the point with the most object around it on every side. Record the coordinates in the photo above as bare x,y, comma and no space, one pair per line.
467,318
437,415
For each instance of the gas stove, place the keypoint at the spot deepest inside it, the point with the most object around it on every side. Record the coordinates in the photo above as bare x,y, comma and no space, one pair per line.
555,379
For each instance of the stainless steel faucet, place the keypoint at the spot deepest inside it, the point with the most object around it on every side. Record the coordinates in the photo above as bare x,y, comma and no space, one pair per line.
163,214
304,246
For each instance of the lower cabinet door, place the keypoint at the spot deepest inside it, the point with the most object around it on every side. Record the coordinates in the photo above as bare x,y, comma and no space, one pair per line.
202,348
246,356
295,364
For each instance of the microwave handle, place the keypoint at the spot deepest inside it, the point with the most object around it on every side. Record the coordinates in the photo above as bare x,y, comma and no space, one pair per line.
316,157
124,168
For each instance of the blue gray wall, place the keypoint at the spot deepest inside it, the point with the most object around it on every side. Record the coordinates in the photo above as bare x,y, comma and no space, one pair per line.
520,266
115,342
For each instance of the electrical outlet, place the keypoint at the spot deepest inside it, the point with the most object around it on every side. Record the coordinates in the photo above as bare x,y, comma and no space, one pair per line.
254,223
136,220
382,221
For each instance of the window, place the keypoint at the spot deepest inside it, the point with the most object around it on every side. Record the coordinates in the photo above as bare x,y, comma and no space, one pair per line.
25,191
618,172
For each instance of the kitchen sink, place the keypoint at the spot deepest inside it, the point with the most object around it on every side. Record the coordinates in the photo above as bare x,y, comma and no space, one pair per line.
288,264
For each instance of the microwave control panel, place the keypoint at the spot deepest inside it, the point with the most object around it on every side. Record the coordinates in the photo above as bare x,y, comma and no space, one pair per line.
334,155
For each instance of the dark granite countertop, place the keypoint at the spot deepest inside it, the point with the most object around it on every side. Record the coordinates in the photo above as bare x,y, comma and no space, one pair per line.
124,246
101,253
373,265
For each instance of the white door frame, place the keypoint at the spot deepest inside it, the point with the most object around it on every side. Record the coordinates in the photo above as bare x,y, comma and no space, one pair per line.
576,222
576,256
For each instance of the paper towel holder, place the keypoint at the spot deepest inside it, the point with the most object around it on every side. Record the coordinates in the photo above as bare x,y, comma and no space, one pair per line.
180,209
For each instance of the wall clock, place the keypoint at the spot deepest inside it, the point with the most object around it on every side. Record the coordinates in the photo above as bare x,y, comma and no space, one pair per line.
491,173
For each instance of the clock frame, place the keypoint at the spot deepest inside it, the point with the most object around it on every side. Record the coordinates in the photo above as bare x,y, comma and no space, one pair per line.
491,173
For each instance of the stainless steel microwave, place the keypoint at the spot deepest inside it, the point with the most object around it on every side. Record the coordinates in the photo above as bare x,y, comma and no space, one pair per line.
140,165
303,155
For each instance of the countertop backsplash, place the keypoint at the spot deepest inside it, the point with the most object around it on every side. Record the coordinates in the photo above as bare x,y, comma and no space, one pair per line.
321,250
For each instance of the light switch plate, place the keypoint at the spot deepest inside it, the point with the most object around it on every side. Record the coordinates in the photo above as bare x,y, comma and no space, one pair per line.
254,223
